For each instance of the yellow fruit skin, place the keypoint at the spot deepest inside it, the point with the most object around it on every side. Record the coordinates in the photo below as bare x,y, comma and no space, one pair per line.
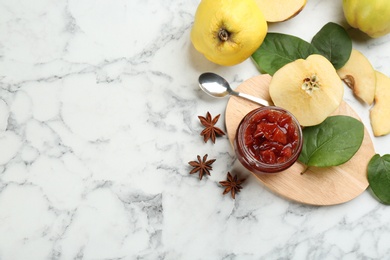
242,18
369,16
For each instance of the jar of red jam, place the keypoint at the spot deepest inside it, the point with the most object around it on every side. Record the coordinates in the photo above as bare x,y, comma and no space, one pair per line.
268,140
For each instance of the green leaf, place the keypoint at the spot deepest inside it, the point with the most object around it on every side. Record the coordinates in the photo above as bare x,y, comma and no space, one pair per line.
378,174
333,142
279,49
333,42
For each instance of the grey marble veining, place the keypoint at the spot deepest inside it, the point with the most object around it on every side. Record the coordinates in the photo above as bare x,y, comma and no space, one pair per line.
98,119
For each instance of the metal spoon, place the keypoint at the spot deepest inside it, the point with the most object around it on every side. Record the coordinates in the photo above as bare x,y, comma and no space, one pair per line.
217,86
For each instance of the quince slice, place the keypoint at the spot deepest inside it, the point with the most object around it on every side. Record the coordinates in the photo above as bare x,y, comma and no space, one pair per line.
379,113
359,75
310,89
280,10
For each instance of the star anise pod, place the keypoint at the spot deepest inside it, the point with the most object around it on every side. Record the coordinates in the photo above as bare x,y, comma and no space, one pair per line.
232,185
210,131
202,166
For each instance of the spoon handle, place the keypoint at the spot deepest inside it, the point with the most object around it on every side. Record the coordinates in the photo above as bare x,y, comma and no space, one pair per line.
259,101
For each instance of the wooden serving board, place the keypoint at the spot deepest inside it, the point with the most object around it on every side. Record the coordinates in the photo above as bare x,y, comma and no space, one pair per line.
317,186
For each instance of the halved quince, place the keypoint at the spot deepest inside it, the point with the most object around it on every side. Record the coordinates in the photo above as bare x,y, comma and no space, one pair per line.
280,10
379,113
310,89
359,75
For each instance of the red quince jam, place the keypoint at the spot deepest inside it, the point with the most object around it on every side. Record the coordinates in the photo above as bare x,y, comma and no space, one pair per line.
271,136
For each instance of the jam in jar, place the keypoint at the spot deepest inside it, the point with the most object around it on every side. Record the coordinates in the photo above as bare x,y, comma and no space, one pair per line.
268,140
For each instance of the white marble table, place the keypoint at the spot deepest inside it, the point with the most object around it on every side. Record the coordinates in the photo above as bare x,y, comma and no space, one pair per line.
98,119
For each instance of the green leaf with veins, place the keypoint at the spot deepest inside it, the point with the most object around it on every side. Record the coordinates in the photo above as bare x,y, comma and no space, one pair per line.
333,42
378,173
279,49
333,142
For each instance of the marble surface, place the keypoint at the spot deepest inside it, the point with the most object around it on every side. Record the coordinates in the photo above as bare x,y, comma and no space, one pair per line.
98,119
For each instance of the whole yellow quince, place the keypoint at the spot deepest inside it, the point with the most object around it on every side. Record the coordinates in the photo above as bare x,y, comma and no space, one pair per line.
369,16
227,32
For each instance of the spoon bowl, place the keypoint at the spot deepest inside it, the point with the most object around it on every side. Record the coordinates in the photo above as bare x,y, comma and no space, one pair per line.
216,86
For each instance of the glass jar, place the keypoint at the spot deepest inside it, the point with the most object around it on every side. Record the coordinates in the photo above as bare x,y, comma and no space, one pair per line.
268,140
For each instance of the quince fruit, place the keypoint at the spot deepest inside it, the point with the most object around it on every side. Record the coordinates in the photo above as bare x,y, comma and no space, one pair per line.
310,89
379,113
369,16
359,75
227,32
280,10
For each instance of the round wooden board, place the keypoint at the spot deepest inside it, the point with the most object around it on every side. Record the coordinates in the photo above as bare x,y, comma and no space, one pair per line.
317,186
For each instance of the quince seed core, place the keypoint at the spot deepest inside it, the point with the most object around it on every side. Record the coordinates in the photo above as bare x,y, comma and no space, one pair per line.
311,84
